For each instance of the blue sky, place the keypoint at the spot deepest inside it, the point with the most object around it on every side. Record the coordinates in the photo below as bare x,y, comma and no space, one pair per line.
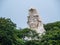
17,10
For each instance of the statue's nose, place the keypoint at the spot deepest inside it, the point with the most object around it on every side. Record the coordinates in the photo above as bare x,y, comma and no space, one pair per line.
32,22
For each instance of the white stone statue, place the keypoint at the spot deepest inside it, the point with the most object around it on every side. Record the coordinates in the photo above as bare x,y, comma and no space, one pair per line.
35,22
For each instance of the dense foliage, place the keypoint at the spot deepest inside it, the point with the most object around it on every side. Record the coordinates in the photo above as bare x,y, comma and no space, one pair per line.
10,35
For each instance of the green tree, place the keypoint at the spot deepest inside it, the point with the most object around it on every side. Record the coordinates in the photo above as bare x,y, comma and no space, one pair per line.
7,35
52,36
52,26
27,33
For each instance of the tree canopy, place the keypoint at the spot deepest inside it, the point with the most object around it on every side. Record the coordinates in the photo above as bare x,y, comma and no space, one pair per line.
10,35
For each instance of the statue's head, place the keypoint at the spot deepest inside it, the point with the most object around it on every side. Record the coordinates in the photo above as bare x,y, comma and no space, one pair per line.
33,22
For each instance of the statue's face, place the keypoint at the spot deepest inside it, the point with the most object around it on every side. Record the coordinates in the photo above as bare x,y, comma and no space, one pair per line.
33,23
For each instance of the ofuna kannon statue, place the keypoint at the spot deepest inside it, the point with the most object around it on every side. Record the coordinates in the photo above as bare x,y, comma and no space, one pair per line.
34,21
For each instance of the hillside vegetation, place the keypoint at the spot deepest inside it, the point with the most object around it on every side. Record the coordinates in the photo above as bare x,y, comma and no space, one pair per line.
10,35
